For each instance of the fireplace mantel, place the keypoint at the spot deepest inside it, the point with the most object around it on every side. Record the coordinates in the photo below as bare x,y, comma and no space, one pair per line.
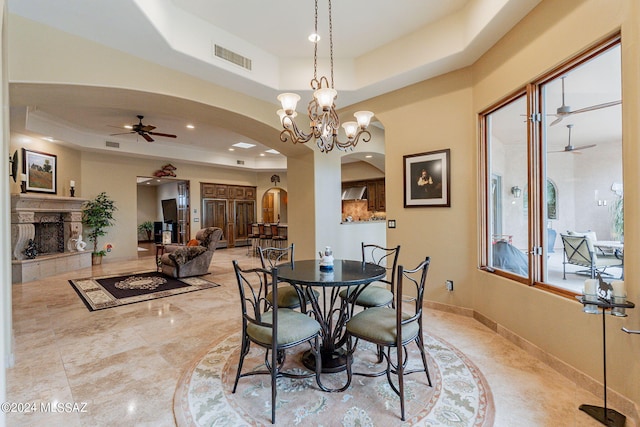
29,210
45,203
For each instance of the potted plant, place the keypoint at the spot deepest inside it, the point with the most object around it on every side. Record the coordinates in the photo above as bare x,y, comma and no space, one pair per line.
146,227
617,218
97,215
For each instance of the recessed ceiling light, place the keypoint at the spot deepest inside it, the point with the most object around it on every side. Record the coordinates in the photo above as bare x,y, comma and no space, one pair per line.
313,37
272,151
191,127
243,145
368,156
262,154
232,149
48,138
128,127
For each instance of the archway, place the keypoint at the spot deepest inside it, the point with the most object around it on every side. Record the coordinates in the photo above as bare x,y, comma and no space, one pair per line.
274,205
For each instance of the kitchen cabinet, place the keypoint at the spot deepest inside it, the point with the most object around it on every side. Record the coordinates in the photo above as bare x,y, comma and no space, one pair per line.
375,193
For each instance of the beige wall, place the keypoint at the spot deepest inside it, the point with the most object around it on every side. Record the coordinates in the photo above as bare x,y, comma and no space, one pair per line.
357,171
557,325
98,175
67,160
442,113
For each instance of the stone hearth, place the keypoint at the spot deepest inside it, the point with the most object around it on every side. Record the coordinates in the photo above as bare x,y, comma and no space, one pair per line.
53,222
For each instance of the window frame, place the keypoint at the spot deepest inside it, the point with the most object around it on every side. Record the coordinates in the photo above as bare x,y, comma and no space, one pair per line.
536,171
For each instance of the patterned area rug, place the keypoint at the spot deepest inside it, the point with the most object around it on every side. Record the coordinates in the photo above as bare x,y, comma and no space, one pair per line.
113,291
459,397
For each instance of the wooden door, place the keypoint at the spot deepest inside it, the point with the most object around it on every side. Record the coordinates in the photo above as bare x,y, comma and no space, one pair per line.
267,208
244,216
215,214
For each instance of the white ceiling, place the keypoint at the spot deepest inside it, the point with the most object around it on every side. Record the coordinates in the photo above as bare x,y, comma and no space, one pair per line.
427,38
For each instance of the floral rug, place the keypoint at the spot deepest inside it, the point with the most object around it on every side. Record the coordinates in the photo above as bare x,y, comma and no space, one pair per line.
113,291
459,397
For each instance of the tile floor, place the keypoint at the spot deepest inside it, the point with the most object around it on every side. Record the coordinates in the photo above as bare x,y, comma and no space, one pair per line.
124,362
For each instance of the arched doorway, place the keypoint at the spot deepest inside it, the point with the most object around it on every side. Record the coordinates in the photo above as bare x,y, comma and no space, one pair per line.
274,205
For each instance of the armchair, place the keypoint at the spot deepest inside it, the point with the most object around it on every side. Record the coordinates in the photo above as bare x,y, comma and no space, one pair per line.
191,260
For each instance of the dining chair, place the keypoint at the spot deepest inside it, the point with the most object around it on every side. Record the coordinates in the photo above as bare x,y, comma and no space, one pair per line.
393,328
275,329
271,257
373,295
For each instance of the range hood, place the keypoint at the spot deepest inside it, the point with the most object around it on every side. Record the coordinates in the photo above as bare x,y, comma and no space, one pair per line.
353,193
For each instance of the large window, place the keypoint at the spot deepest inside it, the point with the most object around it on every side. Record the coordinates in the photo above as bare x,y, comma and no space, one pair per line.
552,176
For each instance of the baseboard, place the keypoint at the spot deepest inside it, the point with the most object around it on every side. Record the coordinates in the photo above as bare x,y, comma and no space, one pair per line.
614,399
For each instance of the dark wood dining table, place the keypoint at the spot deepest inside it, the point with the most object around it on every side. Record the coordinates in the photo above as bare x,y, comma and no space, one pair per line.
327,307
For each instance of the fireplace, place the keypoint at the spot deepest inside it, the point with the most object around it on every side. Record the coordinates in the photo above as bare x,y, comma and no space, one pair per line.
49,234
53,224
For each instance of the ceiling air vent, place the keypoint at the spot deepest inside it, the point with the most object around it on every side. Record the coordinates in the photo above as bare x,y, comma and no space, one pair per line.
231,56
240,162
112,144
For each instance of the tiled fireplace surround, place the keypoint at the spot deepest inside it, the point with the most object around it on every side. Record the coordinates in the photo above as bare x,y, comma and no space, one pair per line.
36,216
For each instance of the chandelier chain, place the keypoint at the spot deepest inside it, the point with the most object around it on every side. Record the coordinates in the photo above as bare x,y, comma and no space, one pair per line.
331,42
321,110
315,47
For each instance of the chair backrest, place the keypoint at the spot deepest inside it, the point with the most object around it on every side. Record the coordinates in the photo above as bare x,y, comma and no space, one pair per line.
255,229
209,237
577,251
283,231
253,286
272,257
413,282
384,257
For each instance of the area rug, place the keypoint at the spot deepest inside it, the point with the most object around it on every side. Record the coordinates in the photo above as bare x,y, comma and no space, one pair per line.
113,291
459,397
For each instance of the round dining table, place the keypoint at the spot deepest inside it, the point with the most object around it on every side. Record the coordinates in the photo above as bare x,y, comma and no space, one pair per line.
331,311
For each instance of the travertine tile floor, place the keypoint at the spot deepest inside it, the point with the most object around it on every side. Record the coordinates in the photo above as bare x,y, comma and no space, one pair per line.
124,363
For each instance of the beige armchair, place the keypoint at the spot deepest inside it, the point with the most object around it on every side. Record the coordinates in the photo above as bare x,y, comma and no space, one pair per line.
191,260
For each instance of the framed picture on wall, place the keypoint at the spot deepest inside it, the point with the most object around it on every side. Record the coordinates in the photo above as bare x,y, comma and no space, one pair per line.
427,179
40,170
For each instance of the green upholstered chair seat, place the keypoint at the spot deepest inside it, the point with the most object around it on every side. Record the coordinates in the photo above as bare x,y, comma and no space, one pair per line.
378,325
372,296
287,297
293,327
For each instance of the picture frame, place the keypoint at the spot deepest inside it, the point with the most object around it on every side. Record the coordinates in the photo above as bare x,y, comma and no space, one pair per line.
427,179
40,170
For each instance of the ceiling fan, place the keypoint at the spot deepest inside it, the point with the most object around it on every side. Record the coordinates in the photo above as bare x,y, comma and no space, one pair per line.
145,130
565,110
570,148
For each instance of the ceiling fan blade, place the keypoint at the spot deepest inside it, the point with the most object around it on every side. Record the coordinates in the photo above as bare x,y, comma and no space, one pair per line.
121,133
583,147
596,107
162,134
556,121
147,128
147,137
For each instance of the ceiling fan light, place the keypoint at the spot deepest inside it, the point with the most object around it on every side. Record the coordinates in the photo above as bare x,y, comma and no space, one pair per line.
289,102
363,118
350,128
325,97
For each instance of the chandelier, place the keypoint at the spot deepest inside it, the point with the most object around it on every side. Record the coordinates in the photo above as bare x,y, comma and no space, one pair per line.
324,121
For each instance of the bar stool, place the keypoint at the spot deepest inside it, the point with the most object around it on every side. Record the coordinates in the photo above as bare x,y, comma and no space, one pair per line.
275,236
265,235
283,235
254,236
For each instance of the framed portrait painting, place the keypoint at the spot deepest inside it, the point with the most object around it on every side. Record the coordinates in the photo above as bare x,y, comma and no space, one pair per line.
427,179
40,170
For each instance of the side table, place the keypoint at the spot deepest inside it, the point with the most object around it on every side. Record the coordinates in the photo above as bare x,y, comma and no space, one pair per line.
159,253
607,416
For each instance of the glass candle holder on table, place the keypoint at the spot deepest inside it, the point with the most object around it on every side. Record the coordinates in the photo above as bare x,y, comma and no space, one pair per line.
590,294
